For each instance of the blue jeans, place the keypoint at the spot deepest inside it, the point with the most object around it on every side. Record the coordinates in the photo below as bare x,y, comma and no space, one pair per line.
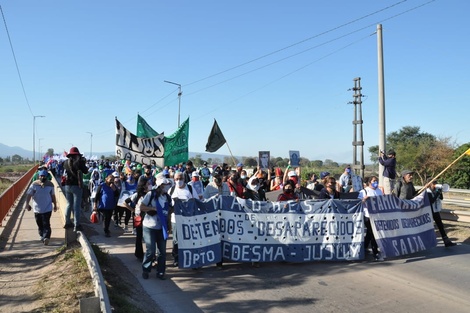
73,194
152,238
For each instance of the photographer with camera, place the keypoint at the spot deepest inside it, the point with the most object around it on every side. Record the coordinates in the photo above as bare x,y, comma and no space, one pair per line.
434,192
390,174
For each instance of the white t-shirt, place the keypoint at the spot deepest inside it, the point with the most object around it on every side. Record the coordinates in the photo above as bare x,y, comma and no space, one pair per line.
154,221
182,194
371,193
41,196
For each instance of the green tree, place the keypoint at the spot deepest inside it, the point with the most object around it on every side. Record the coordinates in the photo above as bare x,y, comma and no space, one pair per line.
304,162
16,158
316,164
197,160
458,175
418,151
374,154
250,162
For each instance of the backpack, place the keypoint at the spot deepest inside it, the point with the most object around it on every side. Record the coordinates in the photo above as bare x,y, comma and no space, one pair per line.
152,196
172,190
205,173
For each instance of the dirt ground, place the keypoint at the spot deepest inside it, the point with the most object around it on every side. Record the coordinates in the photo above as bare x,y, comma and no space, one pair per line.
27,286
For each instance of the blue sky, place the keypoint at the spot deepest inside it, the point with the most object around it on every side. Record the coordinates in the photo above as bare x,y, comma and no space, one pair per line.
275,74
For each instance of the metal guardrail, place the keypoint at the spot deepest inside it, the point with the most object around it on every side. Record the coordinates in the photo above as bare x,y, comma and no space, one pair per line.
98,281
101,292
12,194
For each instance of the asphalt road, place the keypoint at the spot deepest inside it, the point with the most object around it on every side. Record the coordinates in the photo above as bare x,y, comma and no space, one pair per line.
437,280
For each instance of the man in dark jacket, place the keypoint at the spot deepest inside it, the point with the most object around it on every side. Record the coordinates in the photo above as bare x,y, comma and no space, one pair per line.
389,162
404,189
75,167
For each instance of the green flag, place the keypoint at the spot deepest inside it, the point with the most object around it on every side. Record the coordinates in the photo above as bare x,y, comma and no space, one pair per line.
216,139
176,145
143,128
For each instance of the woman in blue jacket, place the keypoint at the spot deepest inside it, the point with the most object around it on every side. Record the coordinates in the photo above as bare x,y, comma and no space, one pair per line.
106,200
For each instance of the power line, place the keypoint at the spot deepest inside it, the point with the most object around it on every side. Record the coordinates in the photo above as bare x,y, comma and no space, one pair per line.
16,63
298,43
308,49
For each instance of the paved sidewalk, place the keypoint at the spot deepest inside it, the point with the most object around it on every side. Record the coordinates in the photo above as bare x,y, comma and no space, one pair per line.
20,238
24,238
168,294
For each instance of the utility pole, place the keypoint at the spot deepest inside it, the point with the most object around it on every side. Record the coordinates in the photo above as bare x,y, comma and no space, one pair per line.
179,98
381,90
91,144
34,137
358,136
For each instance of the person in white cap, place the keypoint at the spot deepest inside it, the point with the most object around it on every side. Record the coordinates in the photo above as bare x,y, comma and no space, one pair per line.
156,204
197,185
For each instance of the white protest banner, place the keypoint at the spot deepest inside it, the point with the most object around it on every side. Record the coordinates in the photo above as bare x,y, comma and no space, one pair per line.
257,231
401,227
139,149
197,228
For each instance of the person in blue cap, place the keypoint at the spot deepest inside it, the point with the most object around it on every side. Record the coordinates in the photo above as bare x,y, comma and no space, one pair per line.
42,194
239,167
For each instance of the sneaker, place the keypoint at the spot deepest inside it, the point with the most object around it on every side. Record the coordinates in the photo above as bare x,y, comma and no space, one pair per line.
134,232
145,275
46,241
175,263
161,276
378,258
126,229
107,234
449,243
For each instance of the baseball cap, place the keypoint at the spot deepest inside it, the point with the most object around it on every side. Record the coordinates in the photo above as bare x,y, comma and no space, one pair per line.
406,172
324,174
43,173
240,165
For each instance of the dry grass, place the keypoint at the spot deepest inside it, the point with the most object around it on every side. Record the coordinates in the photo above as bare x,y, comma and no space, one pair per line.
64,282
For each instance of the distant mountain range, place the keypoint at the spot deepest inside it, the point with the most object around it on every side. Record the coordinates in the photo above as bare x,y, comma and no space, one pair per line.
7,151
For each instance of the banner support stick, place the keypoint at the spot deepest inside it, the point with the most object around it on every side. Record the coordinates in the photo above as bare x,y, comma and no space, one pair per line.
467,152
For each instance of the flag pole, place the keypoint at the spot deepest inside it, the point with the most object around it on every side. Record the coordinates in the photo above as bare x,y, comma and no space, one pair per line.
231,154
467,152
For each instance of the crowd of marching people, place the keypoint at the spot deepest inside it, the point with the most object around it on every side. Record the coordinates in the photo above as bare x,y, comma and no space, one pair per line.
139,198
